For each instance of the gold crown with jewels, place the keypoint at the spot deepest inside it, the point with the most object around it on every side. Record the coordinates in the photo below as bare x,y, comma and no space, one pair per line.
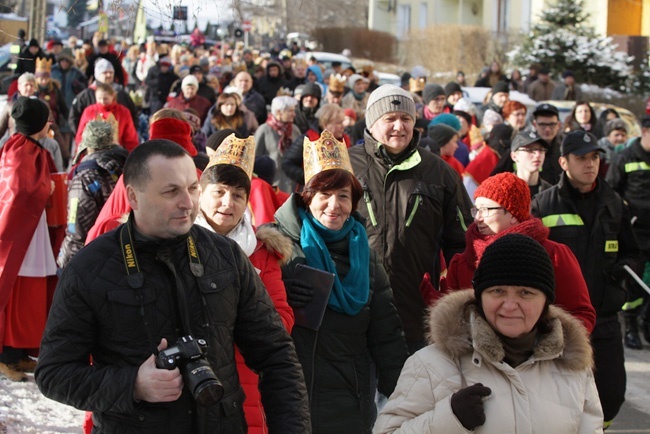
326,153
236,152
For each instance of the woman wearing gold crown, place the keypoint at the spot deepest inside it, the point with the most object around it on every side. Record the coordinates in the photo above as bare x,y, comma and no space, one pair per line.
359,342
226,186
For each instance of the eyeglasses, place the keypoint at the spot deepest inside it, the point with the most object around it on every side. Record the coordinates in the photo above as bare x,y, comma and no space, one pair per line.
485,211
533,150
547,125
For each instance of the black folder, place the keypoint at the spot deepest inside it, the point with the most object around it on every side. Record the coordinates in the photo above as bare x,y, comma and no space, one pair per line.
311,315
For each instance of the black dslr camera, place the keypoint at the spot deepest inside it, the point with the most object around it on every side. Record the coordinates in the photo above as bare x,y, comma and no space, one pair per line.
188,355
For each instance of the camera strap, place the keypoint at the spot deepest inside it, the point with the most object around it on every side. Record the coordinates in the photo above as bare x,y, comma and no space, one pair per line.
135,277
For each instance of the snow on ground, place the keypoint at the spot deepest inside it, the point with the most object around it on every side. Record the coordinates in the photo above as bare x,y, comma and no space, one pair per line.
23,409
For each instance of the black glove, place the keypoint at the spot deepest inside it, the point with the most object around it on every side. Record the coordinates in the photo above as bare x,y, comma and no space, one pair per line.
299,292
467,405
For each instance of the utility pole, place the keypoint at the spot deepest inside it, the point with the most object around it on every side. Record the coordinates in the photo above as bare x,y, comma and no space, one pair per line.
37,22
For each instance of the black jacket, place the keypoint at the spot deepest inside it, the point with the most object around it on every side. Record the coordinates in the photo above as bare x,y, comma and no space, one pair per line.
414,208
159,84
602,241
344,358
27,60
97,313
92,183
629,176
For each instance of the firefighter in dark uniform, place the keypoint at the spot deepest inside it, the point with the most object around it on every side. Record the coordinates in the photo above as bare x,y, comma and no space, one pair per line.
585,213
629,176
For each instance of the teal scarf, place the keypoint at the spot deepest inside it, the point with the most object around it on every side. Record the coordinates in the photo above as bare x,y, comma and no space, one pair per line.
352,294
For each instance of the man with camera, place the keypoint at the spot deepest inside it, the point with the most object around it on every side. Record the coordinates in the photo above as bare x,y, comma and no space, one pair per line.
158,305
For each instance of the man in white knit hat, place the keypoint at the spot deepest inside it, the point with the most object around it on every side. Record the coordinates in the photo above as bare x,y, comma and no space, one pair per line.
415,204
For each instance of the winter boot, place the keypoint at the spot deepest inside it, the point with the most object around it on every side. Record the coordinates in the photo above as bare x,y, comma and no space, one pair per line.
632,339
12,374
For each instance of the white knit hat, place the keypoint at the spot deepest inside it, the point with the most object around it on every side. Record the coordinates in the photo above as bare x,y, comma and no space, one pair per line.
190,80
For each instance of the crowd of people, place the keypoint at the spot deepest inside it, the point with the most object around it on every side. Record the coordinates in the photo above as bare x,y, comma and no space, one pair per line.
259,243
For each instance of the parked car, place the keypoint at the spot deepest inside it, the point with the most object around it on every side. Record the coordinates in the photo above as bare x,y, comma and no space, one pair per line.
325,58
477,95
632,122
387,78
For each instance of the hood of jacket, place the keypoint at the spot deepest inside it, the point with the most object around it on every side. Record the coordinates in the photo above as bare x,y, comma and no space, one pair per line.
315,69
458,330
275,242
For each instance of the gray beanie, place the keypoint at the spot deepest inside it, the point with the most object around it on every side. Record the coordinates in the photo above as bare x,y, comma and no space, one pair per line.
431,91
386,99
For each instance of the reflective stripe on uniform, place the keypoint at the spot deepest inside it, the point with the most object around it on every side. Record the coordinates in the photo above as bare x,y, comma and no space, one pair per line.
636,166
554,220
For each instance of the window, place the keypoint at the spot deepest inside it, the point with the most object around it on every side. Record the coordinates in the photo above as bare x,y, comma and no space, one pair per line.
423,15
403,21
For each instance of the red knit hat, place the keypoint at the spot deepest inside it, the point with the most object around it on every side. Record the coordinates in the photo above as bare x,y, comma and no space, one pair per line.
350,113
510,192
176,130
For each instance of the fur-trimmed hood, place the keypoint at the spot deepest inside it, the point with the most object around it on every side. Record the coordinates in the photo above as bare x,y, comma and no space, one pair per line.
275,242
458,331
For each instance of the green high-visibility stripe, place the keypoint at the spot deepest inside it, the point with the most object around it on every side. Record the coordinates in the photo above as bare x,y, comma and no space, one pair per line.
633,304
636,166
554,220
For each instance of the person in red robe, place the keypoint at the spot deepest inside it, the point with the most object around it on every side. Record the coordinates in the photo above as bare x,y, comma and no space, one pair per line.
26,256
107,109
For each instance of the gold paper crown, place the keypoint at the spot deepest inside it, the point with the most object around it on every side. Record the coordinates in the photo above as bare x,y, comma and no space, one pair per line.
236,152
337,83
326,153
417,84
284,91
112,121
299,62
43,65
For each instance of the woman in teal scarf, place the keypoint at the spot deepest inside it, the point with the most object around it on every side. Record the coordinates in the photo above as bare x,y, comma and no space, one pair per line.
359,347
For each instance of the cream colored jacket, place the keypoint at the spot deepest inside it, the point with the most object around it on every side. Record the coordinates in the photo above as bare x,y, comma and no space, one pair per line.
552,392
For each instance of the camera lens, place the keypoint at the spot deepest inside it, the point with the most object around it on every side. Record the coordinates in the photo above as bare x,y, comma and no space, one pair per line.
202,382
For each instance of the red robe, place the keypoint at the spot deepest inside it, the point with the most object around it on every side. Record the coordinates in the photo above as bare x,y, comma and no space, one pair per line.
264,201
482,165
127,134
25,186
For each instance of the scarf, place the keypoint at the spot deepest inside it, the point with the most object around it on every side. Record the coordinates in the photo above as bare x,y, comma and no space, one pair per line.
243,233
358,96
476,242
351,295
428,114
518,350
284,129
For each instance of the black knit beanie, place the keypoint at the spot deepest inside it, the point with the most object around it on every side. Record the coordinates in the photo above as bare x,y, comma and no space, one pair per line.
515,259
30,115
431,91
440,135
452,87
500,86
217,137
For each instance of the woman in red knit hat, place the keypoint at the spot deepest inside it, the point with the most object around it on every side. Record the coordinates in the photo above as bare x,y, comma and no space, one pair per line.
502,206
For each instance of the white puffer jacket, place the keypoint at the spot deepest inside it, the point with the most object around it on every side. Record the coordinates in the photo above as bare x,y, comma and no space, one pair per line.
552,392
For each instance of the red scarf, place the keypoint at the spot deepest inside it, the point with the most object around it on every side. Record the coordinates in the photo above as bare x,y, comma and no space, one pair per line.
284,129
476,242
